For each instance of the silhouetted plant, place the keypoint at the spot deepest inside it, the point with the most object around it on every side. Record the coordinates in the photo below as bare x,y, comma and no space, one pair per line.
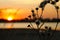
46,33
33,14
37,22
46,27
48,1
26,18
28,26
37,11
50,28
56,0
56,7
32,11
53,2
29,16
57,21
42,5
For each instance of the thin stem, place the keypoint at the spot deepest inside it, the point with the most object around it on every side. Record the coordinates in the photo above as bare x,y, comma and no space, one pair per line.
38,29
57,20
40,18
37,14
42,25
41,13
31,25
56,25
37,26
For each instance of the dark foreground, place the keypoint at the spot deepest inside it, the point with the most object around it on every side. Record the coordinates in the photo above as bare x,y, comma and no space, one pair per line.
24,34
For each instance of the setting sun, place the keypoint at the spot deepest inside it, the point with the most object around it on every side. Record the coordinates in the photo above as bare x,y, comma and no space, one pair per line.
10,18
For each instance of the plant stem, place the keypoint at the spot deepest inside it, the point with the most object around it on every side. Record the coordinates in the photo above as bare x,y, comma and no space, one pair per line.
56,25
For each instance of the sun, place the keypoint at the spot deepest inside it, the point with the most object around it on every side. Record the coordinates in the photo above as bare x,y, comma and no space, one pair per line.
10,18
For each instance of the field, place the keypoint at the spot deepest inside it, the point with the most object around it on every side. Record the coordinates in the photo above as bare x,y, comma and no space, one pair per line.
24,34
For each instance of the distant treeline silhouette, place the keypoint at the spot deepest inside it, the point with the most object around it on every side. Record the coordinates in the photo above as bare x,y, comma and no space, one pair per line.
32,20
43,20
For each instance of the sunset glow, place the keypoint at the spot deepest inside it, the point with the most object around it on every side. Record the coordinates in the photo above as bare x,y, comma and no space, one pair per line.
10,18
21,9
11,10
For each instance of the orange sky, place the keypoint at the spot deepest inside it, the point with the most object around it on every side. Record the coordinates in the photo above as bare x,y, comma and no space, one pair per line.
23,9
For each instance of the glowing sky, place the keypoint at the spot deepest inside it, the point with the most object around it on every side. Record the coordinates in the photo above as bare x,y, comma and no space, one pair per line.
25,7
18,3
